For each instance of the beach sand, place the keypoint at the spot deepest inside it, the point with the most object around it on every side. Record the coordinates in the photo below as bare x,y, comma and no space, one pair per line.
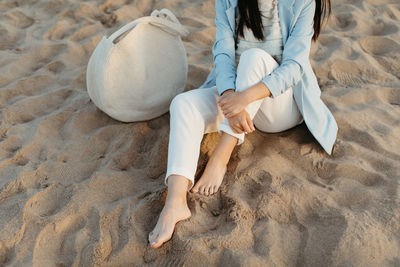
78,188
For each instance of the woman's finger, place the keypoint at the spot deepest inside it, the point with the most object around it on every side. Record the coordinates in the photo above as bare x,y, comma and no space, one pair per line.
245,126
222,100
231,114
250,122
226,112
228,108
236,128
239,131
224,105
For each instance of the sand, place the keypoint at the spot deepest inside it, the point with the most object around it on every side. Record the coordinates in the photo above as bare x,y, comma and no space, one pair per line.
78,188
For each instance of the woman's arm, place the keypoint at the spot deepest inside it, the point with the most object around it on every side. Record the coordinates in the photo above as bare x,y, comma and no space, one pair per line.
223,50
295,53
233,102
295,56
257,91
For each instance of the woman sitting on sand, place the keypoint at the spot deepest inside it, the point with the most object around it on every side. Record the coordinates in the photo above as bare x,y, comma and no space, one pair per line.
261,74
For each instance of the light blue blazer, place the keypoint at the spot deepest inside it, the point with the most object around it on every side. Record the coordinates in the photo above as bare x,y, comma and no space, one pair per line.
296,21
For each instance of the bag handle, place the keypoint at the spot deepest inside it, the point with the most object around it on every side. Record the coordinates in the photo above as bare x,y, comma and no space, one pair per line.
166,13
164,19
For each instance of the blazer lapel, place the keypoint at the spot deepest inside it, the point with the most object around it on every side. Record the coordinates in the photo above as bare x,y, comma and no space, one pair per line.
231,12
286,14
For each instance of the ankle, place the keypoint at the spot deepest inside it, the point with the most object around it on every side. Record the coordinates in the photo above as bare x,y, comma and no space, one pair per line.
214,159
176,201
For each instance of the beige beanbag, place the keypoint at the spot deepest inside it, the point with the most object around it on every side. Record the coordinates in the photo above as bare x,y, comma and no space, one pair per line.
134,74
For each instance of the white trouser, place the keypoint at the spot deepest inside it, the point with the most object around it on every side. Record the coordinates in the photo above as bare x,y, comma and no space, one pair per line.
196,112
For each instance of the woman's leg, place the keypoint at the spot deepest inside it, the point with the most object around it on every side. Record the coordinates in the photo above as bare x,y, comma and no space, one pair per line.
279,114
192,114
174,210
254,64
213,174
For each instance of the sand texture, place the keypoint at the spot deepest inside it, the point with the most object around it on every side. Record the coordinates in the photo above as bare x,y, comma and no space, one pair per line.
78,188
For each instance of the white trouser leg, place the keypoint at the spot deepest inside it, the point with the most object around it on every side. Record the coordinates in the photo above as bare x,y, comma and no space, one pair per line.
270,114
192,114
195,112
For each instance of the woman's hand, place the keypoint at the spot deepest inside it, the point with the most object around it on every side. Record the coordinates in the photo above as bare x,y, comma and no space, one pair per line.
241,123
232,103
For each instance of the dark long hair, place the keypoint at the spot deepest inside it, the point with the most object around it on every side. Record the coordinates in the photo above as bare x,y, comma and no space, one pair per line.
250,15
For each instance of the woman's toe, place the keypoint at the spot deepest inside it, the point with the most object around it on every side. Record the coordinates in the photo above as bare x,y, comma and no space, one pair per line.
151,239
201,190
215,189
207,191
155,244
211,191
161,239
195,189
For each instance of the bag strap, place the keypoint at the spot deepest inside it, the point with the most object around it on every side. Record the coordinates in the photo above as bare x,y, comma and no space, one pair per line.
166,13
164,19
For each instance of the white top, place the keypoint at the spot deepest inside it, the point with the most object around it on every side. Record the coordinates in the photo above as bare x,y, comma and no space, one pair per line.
272,32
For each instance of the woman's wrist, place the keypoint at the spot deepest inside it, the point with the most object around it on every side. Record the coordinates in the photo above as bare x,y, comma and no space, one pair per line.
258,91
247,96
227,90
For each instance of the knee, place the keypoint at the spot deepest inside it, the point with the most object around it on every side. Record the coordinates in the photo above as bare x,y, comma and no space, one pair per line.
180,104
254,64
256,54
257,58
177,102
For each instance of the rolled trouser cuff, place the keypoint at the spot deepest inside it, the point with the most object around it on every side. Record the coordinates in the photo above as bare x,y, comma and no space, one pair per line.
182,172
224,127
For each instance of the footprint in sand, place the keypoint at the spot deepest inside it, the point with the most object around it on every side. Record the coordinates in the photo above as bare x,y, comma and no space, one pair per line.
56,240
390,95
45,202
112,235
392,11
55,67
85,32
19,19
29,62
343,22
3,253
380,27
8,38
385,51
59,31
349,73
27,87
327,45
31,108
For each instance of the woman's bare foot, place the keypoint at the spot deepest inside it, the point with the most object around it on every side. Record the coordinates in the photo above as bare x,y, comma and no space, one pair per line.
169,216
175,210
211,179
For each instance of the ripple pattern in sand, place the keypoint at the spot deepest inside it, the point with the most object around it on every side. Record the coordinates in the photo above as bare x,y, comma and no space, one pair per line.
78,188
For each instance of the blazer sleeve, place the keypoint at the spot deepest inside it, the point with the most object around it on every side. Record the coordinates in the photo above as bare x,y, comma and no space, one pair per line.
223,50
295,53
